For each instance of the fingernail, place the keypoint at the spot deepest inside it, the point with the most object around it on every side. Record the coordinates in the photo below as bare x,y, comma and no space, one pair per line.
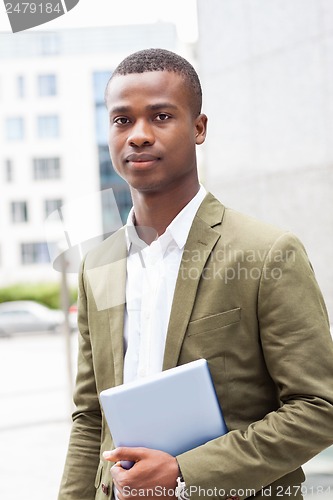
117,464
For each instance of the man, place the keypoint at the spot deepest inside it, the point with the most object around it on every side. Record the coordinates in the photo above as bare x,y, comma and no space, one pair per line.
207,282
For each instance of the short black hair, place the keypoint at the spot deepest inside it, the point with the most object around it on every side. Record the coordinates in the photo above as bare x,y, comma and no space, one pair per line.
162,60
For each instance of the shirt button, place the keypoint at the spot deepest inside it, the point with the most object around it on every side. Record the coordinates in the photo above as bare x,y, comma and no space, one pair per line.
105,489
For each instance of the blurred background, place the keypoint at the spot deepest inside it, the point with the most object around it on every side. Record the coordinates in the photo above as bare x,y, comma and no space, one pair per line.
267,74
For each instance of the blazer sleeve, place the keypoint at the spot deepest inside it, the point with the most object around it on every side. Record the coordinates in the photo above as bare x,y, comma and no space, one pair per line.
83,454
298,351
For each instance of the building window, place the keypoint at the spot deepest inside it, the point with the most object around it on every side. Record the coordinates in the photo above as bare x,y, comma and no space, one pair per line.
51,206
49,44
100,80
15,128
48,126
34,253
102,124
21,86
46,168
47,85
110,179
9,170
19,211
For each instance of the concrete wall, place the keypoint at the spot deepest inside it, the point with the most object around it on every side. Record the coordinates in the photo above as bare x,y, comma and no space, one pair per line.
267,75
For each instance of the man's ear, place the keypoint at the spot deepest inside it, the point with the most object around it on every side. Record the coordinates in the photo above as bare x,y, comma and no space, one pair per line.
200,128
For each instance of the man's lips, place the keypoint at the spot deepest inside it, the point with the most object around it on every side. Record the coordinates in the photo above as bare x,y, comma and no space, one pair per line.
141,158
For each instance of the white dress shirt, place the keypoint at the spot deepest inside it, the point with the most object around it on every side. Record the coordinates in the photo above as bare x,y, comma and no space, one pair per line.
151,279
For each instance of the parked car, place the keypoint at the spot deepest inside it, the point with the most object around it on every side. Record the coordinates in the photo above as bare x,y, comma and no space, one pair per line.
28,316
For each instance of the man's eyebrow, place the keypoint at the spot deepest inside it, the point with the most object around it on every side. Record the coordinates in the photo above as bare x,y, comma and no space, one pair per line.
119,109
152,107
161,105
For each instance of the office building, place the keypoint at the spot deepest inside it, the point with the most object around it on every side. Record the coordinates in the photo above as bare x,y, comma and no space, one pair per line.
53,134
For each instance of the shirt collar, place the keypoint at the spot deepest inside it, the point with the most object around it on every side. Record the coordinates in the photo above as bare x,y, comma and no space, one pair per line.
178,230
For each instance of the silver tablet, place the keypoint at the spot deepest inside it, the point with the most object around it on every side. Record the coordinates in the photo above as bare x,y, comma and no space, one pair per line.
173,411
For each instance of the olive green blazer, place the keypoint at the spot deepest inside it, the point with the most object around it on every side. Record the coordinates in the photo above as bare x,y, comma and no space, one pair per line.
246,299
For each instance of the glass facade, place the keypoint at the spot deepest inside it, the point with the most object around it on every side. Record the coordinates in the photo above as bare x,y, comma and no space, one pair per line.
108,177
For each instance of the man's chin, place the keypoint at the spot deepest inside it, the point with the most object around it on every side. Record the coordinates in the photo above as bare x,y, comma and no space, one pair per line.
147,187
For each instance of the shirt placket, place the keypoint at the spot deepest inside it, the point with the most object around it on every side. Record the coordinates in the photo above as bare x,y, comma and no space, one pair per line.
151,283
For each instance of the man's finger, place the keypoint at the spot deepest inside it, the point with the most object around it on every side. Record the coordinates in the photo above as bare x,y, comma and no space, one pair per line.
117,477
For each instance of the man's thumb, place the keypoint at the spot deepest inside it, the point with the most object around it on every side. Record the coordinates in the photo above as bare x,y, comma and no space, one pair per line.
123,453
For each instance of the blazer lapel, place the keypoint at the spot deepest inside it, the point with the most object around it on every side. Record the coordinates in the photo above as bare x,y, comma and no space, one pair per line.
116,320
108,284
117,298
201,240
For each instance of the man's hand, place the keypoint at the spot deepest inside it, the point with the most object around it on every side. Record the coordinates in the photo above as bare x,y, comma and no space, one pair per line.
154,473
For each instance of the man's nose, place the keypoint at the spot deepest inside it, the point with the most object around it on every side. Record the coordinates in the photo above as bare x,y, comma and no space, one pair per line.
141,134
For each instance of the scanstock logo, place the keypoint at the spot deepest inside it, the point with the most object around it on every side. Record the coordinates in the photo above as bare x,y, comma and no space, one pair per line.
25,15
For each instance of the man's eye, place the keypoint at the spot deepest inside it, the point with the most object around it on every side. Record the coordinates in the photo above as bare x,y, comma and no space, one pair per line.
121,120
162,117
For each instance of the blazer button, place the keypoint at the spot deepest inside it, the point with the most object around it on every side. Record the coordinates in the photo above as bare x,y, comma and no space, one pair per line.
105,489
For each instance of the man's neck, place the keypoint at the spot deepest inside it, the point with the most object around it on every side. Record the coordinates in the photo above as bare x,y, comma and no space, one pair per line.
157,210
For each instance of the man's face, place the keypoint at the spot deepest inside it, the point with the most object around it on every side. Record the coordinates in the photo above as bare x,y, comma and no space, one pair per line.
153,130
